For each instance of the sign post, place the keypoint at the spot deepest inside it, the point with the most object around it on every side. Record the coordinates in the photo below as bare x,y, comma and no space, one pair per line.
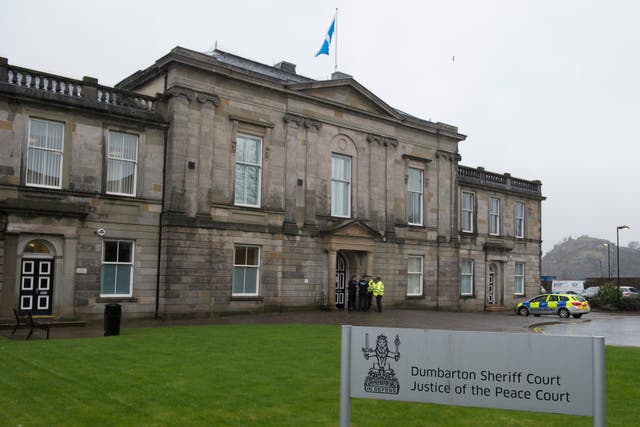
477,369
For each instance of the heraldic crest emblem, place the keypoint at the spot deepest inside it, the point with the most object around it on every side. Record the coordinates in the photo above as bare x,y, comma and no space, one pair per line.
381,377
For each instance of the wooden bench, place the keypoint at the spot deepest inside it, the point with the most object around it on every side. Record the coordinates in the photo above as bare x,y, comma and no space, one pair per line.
41,322
36,324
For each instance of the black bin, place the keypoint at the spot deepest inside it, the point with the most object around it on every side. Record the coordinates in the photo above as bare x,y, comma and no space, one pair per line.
112,314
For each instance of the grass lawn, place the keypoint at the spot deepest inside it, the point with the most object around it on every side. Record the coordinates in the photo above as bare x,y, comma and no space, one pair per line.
235,375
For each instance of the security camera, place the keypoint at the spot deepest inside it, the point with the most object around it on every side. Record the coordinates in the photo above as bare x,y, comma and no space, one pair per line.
101,232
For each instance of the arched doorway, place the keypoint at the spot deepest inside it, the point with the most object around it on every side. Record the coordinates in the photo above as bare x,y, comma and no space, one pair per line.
341,280
36,278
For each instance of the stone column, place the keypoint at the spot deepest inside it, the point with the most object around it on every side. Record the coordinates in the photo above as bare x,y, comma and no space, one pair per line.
331,282
205,160
311,171
177,147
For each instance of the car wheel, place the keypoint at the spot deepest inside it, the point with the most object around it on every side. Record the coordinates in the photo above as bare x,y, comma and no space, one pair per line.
537,315
564,313
577,316
522,311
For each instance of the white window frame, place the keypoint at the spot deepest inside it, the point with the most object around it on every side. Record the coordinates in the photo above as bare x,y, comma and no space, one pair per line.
241,197
419,194
519,220
416,274
45,154
246,266
494,217
113,160
340,182
467,212
464,274
519,278
130,263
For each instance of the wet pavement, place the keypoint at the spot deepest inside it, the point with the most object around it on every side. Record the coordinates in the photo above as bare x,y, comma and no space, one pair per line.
617,329
420,319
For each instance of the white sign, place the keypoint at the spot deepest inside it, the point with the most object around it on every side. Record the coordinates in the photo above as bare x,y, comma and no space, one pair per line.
527,372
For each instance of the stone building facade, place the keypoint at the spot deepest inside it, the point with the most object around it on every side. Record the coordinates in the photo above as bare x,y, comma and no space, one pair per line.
210,183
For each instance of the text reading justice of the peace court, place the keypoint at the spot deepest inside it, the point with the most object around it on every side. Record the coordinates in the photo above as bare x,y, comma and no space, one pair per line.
491,384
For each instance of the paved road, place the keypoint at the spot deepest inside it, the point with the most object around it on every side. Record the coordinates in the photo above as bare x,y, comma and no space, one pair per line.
497,322
616,329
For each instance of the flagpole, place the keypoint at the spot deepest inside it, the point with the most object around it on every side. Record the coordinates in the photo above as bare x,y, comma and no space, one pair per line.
336,31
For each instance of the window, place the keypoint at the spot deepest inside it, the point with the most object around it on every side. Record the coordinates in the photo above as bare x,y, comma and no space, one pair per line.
44,153
494,216
414,276
117,268
122,163
248,170
246,262
519,219
466,277
340,186
519,278
414,196
466,212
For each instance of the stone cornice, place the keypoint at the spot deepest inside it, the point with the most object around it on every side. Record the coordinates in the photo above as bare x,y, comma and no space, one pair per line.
193,96
382,140
299,121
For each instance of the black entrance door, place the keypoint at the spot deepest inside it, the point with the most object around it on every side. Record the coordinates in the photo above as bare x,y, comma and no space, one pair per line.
36,286
341,278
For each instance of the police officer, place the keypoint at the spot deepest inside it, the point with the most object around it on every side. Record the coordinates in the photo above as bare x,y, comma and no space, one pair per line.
362,292
378,292
353,285
370,284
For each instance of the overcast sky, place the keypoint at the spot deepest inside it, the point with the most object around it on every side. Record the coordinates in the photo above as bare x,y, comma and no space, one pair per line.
543,90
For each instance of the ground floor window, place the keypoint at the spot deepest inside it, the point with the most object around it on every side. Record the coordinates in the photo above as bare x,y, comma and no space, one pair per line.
519,278
117,268
246,269
466,277
414,276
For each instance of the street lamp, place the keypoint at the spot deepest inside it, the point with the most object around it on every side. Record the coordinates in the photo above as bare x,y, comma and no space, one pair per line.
618,228
608,257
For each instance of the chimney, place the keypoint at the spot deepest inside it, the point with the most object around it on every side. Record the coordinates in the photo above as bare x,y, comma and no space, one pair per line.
286,66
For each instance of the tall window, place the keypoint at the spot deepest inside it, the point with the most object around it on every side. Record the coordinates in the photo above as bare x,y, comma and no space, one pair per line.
466,277
248,170
414,196
414,276
44,153
340,185
466,212
519,219
246,266
117,268
494,216
519,278
122,157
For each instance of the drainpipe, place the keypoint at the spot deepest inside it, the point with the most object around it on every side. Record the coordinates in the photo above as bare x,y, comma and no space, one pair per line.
160,222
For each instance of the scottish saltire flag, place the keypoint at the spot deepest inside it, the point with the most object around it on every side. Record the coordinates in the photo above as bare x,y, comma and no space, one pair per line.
324,50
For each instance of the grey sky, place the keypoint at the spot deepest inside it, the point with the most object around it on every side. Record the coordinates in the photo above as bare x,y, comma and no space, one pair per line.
544,89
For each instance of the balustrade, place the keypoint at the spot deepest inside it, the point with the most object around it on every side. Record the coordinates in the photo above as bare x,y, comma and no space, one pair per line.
83,90
480,176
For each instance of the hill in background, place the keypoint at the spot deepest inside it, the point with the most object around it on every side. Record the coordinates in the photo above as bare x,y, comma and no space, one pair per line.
577,259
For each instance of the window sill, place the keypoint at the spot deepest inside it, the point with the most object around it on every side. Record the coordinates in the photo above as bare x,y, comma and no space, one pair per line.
246,298
415,297
468,296
108,299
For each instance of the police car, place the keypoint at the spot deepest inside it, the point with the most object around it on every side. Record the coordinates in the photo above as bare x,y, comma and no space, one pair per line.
564,305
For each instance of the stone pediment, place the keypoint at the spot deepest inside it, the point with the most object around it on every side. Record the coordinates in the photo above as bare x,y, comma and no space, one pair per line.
347,92
351,228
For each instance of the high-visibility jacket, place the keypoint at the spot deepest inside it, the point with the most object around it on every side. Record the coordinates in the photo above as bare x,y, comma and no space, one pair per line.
370,285
378,288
